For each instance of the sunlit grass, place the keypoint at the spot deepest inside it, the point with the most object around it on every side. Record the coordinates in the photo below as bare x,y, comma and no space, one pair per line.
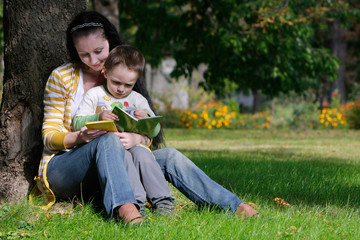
316,172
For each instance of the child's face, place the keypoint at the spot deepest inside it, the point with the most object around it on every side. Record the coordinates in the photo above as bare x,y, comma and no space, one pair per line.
120,80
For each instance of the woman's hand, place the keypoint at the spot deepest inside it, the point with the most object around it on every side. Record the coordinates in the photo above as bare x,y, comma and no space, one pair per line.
87,135
83,136
108,115
131,139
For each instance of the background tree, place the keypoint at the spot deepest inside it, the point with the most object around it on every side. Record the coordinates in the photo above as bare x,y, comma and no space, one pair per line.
109,8
352,71
253,45
34,44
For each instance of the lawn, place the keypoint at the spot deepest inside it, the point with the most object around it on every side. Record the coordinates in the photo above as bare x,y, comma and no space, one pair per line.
316,173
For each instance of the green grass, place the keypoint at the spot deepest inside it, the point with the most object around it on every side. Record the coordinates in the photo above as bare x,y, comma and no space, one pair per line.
316,172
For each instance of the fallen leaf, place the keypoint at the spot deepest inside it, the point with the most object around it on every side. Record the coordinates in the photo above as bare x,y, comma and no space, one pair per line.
281,202
293,228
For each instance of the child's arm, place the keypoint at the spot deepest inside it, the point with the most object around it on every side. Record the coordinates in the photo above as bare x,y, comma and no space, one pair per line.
155,132
138,114
108,115
79,121
86,111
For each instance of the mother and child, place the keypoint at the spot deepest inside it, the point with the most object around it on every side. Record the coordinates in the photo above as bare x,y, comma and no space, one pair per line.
104,72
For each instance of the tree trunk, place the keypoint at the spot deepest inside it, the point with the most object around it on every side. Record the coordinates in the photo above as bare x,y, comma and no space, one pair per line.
108,8
34,44
257,101
338,43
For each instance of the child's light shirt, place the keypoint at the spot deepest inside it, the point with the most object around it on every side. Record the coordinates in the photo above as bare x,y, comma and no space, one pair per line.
97,99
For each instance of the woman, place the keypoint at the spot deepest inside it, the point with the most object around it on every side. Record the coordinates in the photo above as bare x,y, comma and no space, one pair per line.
69,166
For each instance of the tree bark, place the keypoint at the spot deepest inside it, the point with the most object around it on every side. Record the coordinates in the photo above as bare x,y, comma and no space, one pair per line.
34,44
257,101
109,8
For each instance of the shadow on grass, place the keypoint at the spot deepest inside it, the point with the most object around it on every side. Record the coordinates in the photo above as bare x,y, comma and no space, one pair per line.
282,173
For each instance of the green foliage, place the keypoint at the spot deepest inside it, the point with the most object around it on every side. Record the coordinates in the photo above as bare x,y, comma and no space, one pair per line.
285,112
267,45
305,115
260,120
295,112
352,111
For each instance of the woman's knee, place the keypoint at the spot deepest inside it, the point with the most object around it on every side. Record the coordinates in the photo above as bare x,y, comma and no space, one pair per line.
174,158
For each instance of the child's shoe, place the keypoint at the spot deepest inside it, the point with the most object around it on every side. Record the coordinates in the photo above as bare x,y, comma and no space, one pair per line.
142,210
164,207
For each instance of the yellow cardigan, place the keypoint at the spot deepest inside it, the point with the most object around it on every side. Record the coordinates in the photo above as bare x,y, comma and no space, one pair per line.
59,90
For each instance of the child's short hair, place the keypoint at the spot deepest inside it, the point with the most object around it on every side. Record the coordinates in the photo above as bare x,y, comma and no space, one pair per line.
127,56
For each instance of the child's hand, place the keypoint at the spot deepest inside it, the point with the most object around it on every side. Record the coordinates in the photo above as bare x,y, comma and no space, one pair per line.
140,114
130,139
108,115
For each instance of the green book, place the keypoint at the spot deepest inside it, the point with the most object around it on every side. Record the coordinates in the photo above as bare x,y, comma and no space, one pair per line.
128,123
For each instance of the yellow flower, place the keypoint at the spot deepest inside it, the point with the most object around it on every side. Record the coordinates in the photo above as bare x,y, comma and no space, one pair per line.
334,124
225,109
213,122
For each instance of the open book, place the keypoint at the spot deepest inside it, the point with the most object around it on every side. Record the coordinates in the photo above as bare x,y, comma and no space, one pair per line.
126,123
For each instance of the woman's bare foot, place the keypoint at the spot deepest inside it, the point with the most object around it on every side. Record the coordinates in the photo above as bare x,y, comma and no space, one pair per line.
128,213
245,211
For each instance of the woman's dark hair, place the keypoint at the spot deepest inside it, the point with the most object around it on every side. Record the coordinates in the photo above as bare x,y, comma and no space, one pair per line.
140,87
91,21
86,23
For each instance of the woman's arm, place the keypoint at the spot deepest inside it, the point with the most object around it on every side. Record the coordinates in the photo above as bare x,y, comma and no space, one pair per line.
56,128
79,121
83,136
55,97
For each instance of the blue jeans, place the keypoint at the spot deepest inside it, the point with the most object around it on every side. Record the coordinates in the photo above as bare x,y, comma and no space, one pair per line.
193,182
102,162
96,165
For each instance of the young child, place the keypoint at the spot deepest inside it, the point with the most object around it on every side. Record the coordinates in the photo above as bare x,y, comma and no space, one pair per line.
122,68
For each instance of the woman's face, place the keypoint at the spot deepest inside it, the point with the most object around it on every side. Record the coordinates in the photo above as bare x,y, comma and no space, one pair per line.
93,49
120,80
